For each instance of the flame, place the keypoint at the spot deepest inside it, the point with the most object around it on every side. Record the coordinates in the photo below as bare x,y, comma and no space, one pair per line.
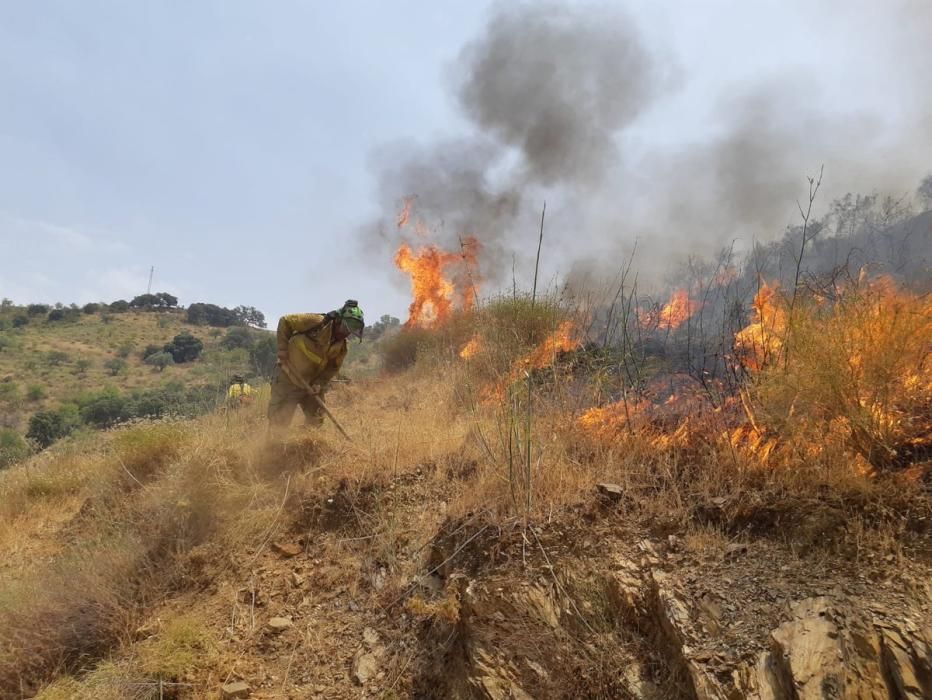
747,437
605,422
405,214
563,339
672,314
762,339
472,348
440,281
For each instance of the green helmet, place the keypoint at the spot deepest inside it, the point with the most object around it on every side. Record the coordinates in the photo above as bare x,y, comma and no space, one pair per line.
352,317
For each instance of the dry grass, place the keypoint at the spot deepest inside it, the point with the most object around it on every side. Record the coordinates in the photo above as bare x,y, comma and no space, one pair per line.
157,494
144,500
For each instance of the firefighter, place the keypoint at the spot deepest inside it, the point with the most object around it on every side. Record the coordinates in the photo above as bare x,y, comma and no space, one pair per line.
310,347
240,393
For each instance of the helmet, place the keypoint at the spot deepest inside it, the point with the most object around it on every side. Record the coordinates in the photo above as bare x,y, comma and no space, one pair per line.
352,317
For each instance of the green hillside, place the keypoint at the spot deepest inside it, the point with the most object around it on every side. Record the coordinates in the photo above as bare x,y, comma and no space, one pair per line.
66,370
95,369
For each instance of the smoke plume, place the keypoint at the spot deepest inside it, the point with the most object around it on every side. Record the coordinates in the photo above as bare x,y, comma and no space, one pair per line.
557,84
552,91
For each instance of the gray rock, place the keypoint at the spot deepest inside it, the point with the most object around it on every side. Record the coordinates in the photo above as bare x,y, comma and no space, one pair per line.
237,689
365,667
370,637
612,491
288,549
279,624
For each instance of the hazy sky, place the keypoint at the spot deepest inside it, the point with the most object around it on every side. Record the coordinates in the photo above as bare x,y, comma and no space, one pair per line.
230,144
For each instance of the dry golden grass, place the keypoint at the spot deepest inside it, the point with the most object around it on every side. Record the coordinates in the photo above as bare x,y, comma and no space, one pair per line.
117,520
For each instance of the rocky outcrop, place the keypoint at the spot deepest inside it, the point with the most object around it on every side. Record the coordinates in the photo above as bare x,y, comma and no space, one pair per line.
653,620
827,648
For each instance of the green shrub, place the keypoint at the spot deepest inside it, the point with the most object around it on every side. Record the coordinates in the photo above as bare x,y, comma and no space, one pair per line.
9,393
106,409
37,309
12,447
35,392
125,349
54,358
46,427
200,314
115,365
263,355
184,348
237,338
57,315
20,320
160,360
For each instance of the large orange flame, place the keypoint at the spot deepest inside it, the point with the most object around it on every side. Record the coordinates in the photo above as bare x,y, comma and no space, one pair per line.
672,314
441,280
761,341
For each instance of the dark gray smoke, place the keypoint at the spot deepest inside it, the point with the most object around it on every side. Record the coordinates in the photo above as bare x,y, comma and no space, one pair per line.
553,90
558,83
548,88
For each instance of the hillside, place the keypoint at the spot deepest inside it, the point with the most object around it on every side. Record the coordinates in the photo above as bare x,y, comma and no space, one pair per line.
505,523
84,370
93,340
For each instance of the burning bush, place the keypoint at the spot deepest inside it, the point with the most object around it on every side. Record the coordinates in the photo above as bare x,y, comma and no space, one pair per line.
854,369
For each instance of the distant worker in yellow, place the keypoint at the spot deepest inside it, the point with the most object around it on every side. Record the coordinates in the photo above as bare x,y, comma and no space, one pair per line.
311,347
240,393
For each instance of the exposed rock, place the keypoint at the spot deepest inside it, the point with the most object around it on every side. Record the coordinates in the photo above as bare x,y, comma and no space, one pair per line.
279,624
807,653
365,667
543,606
370,637
288,549
490,679
237,689
735,548
829,648
907,656
432,583
610,491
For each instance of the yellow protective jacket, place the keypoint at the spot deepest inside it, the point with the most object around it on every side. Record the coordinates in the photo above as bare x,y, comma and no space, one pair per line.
239,390
306,339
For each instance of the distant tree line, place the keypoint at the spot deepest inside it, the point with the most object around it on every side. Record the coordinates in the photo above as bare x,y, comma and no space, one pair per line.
385,324
198,314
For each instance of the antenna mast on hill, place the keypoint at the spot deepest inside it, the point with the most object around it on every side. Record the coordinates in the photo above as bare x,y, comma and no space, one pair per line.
151,272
